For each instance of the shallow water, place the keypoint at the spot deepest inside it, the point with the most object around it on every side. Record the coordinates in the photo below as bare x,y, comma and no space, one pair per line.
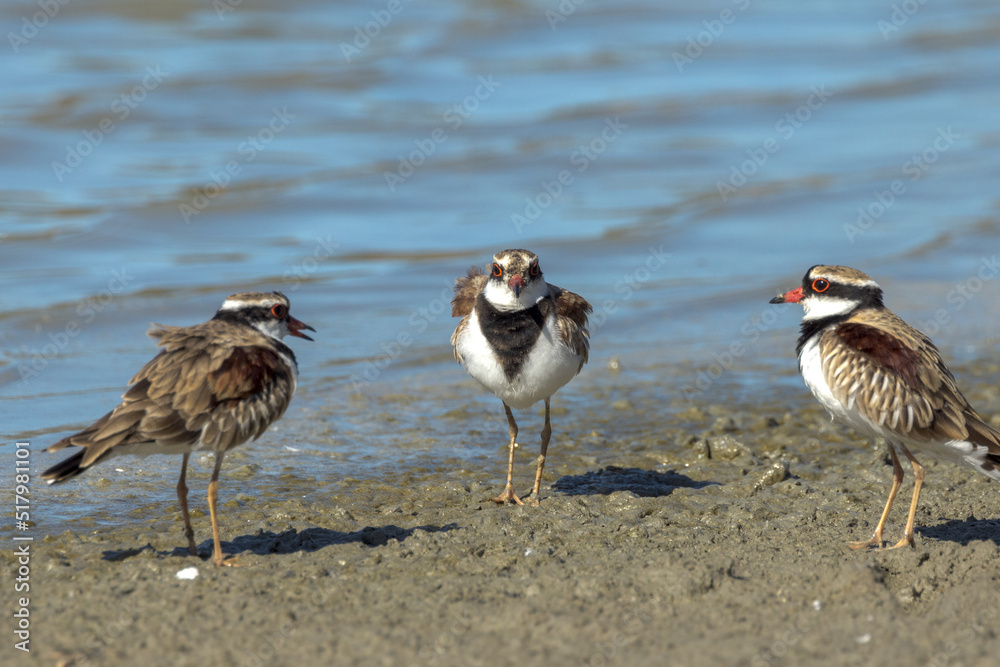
796,136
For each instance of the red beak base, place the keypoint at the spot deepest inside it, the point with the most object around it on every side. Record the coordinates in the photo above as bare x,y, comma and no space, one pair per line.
794,296
516,284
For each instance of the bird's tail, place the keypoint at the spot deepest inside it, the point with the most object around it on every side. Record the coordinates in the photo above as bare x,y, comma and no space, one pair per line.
67,469
986,456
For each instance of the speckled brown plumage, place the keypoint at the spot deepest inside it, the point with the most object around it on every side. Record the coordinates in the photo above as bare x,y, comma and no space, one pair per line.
213,386
873,370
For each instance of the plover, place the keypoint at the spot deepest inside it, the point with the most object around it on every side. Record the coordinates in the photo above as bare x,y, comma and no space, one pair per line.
878,374
212,387
521,338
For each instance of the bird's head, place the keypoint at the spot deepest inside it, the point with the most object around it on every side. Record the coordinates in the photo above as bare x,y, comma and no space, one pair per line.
515,280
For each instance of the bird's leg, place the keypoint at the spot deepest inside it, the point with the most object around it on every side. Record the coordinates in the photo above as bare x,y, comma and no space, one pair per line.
546,434
918,480
213,498
182,497
508,491
897,479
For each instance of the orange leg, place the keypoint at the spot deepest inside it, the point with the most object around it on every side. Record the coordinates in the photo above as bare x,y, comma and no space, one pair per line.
546,434
918,477
182,497
508,491
213,498
897,479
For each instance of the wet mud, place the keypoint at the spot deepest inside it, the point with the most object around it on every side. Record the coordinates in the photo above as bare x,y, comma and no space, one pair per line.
706,529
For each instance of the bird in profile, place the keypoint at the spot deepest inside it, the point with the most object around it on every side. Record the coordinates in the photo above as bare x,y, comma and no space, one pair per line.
212,387
522,339
873,371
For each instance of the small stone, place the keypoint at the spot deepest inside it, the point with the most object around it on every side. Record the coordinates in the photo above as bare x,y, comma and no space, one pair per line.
776,472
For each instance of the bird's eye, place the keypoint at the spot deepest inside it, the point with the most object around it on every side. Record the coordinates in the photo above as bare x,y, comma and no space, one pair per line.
820,285
533,271
497,271
279,310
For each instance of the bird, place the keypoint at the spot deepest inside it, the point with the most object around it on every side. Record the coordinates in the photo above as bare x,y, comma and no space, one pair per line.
522,339
875,372
212,387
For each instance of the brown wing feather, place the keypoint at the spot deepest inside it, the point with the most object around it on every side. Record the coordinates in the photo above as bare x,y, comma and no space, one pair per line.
194,390
571,312
249,391
467,288
895,376
571,317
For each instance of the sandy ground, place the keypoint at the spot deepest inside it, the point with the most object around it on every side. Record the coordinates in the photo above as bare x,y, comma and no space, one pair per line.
715,534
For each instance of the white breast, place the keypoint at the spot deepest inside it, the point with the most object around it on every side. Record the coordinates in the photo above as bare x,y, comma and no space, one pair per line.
549,366
811,365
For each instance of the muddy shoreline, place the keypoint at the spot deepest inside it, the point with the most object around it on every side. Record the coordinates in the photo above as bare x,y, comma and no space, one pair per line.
700,533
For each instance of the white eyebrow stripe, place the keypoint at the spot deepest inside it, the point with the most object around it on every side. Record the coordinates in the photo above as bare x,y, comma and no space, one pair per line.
834,279
238,304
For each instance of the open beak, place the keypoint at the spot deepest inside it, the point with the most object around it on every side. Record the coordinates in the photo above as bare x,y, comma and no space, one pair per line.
794,296
516,284
295,328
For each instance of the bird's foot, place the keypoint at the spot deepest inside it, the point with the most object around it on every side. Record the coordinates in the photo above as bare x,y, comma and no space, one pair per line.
906,540
220,561
874,543
508,495
532,499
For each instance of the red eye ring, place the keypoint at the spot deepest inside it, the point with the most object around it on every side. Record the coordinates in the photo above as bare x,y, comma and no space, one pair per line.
533,270
820,285
497,271
279,310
